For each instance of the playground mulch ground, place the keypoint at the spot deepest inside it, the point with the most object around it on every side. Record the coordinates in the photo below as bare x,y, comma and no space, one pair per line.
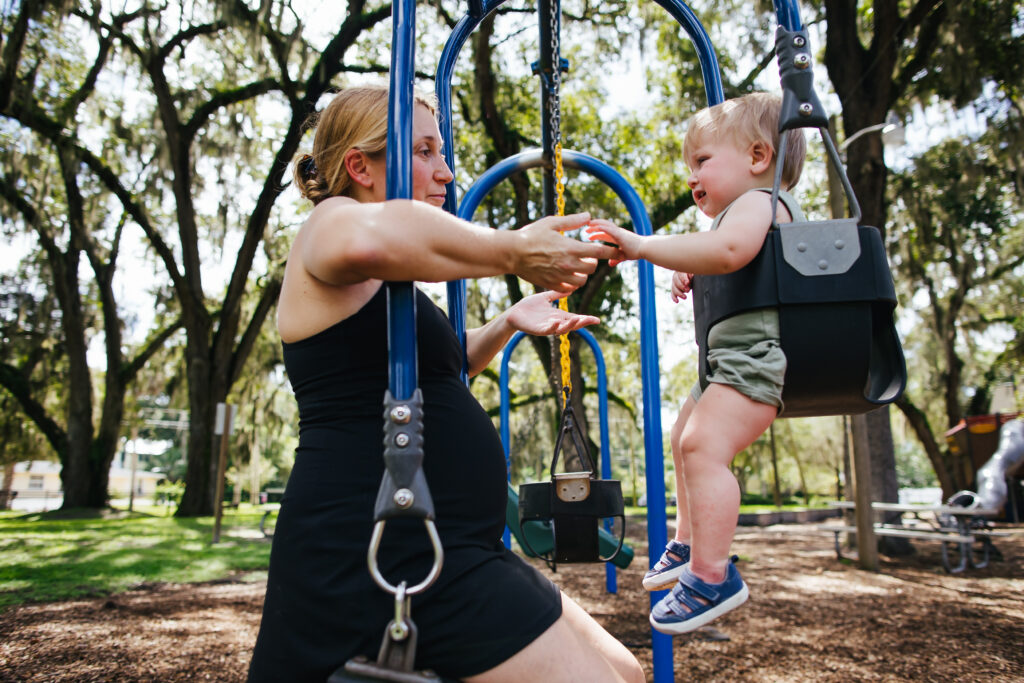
810,618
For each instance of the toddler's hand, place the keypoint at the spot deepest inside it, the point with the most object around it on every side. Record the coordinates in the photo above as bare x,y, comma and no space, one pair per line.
603,230
681,285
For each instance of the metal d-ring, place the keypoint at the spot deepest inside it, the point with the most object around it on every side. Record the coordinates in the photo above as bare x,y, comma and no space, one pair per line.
435,570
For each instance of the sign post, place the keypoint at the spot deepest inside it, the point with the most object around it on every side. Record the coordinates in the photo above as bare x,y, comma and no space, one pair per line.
224,426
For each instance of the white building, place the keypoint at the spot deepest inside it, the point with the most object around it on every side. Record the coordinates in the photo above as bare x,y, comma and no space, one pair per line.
37,486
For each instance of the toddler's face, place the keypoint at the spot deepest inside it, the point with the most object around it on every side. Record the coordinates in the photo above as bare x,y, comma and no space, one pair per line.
720,171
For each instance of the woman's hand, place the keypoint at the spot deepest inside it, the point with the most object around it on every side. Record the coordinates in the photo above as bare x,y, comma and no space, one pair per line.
627,243
532,315
682,283
550,260
535,315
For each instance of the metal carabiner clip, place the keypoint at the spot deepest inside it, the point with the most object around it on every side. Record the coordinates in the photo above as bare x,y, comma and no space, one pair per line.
435,570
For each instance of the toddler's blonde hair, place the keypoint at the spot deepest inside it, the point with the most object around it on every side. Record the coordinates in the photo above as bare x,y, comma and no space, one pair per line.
744,121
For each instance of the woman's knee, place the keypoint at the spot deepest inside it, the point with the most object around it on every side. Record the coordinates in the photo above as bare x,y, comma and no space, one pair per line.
567,651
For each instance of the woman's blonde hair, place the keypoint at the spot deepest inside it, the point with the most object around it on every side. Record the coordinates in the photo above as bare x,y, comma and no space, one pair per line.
746,120
355,118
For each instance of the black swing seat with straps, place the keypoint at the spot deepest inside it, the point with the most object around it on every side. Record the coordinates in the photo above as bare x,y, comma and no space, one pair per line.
829,280
574,503
831,284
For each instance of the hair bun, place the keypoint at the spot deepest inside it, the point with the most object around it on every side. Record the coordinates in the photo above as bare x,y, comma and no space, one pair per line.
307,166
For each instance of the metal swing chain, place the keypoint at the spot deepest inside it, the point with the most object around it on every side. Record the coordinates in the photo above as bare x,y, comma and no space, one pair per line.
555,118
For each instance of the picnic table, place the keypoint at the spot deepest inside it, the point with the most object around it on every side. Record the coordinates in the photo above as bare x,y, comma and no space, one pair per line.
954,527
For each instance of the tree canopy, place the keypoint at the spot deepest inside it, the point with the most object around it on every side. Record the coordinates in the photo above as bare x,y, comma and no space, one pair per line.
156,138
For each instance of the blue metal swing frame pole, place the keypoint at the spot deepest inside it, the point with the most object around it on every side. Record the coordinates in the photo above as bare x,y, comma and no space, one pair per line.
401,299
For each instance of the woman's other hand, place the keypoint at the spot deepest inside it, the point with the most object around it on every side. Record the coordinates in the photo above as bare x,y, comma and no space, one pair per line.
535,315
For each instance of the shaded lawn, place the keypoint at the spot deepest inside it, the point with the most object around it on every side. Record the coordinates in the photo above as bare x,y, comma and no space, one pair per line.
50,556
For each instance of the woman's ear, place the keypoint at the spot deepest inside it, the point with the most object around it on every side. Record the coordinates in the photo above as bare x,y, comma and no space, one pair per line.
761,157
357,168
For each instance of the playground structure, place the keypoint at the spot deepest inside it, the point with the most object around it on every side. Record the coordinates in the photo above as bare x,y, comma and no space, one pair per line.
870,295
996,470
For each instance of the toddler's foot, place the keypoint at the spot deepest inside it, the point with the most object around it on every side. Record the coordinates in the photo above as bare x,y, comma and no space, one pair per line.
693,602
669,567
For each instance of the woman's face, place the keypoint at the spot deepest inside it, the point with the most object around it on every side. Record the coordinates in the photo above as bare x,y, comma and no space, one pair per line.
430,173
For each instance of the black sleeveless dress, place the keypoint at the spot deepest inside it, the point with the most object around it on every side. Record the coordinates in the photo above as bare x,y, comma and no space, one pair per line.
322,607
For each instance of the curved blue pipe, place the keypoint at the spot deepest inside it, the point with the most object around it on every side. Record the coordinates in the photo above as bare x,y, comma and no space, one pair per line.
602,397
709,68
610,577
657,527
788,14
478,10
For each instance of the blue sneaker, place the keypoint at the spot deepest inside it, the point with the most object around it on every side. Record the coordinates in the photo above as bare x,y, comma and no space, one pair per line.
693,603
666,571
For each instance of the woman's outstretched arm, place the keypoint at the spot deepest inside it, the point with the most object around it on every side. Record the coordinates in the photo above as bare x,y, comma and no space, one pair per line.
347,242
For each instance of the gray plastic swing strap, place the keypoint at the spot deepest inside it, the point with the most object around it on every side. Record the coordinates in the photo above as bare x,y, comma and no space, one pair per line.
801,108
821,247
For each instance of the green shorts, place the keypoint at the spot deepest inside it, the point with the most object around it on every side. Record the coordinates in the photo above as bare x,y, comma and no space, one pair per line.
744,353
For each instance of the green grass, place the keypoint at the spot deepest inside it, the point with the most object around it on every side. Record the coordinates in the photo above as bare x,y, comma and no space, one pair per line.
60,555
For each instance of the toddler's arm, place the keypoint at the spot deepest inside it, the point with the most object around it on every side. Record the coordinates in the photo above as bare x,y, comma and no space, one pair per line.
733,245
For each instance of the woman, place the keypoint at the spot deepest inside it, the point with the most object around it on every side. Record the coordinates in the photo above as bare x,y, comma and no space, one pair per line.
489,616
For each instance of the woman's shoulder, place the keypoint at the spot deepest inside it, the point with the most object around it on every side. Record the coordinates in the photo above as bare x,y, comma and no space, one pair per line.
329,209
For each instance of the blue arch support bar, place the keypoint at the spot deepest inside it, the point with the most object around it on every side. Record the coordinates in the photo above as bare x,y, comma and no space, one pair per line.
657,528
709,68
478,11
611,582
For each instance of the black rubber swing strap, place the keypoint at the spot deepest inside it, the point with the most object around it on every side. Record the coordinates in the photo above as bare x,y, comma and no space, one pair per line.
571,428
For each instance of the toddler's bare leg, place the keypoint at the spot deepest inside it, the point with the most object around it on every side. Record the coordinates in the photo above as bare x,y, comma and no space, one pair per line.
721,425
682,501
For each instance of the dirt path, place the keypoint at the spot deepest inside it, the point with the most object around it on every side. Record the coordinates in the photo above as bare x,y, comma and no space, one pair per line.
810,618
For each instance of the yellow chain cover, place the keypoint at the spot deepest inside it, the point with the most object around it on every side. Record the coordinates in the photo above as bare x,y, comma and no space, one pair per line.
563,340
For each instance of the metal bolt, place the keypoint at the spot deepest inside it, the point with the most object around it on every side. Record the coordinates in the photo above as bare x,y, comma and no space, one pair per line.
840,244
401,440
398,630
799,41
802,246
403,498
806,109
401,414
802,60
823,264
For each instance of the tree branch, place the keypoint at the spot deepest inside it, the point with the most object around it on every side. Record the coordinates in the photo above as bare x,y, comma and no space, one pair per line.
17,385
223,99
132,368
